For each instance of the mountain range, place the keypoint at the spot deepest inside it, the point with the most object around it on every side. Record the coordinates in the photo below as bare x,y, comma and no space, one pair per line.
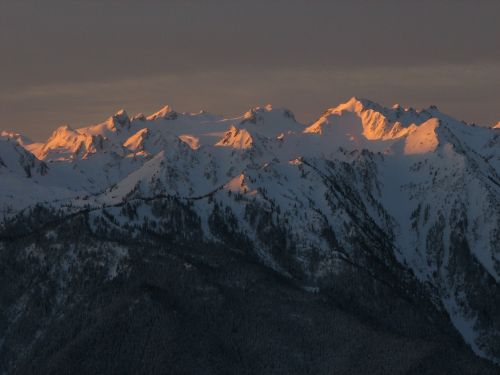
386,220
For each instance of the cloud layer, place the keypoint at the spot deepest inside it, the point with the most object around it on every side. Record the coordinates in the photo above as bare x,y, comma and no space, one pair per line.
78,61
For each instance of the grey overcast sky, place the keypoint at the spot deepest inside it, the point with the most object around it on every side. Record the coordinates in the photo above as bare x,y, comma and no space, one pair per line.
77,62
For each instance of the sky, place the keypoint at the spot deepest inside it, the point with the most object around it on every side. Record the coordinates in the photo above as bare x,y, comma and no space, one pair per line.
78,62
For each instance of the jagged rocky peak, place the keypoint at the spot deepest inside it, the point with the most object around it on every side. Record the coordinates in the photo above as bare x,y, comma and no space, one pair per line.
150,141
395,113
136,141
62,135
165,113
255,114
258,115
138,117
236,138
116,122
121,118
270,122
15,158
372,120
19,138
356,105
66,143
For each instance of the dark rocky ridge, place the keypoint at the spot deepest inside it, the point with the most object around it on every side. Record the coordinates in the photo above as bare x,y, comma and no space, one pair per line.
175,304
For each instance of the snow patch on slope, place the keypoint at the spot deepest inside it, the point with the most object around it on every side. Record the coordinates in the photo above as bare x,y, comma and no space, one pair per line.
423,139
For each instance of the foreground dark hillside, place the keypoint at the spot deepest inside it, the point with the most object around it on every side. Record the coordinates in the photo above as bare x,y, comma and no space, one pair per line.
76,301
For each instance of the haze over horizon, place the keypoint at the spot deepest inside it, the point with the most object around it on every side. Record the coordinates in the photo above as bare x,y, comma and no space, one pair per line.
78,63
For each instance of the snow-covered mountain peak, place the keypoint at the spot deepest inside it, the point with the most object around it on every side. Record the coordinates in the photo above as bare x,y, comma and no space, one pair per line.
121,118
148,142
166,113
60,130
66,143
356,124
138,117
19,138
261,114
17,161
255,115
369,120
270,122
396,113
356,105
236,138
136,142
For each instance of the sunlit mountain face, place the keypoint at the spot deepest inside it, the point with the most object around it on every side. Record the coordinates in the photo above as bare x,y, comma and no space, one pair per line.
215,244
